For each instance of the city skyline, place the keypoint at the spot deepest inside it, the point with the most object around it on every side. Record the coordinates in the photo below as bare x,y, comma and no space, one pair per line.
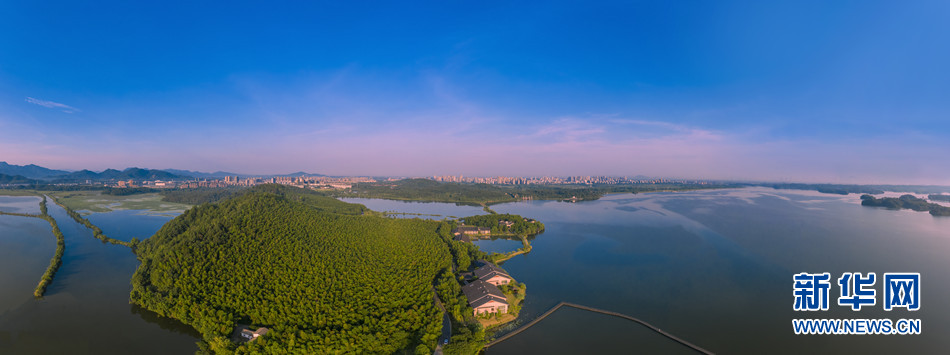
803,92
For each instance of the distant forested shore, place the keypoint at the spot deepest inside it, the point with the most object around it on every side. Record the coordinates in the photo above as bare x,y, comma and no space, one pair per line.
906,202
488,194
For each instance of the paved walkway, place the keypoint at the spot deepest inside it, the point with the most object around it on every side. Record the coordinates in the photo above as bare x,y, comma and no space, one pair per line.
597,310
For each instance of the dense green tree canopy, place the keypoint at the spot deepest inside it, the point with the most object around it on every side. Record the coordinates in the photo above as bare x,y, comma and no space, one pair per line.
321,276
519,225
200,195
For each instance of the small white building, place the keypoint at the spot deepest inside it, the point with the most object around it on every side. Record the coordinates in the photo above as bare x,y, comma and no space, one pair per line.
251,335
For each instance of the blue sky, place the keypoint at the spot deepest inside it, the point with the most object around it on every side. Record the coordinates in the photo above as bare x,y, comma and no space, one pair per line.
798,91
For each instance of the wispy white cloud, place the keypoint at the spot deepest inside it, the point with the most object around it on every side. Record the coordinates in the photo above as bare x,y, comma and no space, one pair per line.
669,128
568,129
51,104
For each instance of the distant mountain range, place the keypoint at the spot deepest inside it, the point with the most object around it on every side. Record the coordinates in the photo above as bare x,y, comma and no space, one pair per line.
127,174
38,174
201,175
221,174
29,171
298,174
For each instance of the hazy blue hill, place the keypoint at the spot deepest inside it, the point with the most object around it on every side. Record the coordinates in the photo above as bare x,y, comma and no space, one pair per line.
127,174
939,197
148,174
202,175
29,171
298,174
221,174
16,179
80,175
110,174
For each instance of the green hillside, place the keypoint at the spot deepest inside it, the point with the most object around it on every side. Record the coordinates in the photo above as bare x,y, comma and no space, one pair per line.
322,277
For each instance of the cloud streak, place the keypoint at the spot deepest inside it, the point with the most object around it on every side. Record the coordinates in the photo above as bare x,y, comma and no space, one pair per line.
52,104
667,128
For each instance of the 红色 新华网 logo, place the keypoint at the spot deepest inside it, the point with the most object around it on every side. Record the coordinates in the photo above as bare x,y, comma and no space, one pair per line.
813,292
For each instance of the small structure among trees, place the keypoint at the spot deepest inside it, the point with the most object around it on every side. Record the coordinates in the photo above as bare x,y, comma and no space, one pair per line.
251,335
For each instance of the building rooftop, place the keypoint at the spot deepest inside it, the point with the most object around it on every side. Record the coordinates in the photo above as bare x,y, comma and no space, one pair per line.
471,228
479,292
247,333
489,270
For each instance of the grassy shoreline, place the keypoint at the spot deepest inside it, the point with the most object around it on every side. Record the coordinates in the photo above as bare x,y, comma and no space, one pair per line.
498,258
55,262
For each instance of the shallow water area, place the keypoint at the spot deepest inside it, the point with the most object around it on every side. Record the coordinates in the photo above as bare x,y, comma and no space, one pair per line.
20,204
498,245
86,308
26,246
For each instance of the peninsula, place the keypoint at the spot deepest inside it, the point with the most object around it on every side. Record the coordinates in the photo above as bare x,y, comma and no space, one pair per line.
321,275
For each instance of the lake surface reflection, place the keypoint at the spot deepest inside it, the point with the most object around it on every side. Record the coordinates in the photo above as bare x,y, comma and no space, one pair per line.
20,204
498,245
411,209
86,309
715,268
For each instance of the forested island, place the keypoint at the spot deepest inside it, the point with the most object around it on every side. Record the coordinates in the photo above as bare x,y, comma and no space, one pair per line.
505,224
323,275
906,202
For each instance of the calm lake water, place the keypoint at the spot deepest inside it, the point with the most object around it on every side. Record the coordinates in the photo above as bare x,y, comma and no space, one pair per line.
411,209
498,245
28,245
715,268
86,309
20,204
